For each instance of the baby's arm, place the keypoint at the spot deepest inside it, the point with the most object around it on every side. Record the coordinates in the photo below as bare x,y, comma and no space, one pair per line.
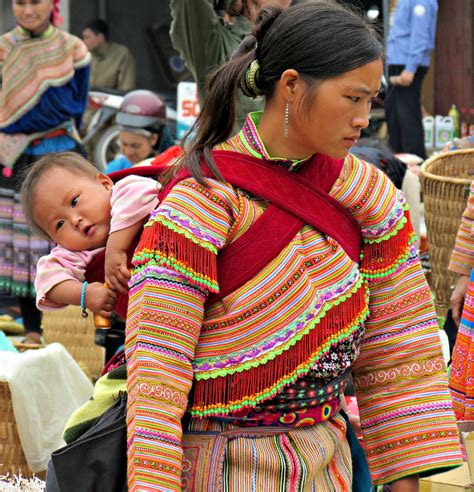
133,199
117,274
99,299
59,279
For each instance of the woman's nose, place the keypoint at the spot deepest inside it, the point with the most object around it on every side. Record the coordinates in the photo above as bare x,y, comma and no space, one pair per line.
361,119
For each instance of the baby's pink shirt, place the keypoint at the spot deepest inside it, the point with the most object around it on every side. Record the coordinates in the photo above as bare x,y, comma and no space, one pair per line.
133,199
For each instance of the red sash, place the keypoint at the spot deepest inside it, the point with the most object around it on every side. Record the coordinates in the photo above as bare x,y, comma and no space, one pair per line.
295,199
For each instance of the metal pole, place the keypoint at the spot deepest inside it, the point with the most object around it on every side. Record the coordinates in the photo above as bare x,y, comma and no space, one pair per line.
103,9
386,24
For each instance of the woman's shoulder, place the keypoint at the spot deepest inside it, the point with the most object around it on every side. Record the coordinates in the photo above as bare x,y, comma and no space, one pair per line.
80,53
368,194
211,195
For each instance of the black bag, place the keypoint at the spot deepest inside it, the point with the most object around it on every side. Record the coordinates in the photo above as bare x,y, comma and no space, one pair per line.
96,461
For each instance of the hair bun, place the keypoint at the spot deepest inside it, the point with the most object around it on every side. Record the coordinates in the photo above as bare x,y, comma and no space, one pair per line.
265,19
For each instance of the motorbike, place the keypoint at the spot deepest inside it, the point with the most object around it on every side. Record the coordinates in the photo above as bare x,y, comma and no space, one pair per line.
101,133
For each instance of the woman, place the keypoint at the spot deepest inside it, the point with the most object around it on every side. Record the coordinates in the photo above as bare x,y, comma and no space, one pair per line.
276,351
462,302
44,82
240,389
143,130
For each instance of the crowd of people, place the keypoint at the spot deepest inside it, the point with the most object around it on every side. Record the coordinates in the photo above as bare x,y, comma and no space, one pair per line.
269,266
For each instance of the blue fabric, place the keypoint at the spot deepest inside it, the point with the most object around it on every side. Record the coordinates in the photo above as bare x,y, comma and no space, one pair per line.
361,481
117,164
62,143
412,35
57,105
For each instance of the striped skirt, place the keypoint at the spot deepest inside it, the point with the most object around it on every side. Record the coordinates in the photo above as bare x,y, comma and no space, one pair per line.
300,459
20,250
462,368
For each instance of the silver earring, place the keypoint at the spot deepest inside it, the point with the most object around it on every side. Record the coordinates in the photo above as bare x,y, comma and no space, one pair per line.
287,116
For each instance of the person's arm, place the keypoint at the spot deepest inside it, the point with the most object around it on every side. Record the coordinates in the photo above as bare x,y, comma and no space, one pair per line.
196,33
126,80
98,298
462,258
422,16
116,270
175,265
408,423
133,199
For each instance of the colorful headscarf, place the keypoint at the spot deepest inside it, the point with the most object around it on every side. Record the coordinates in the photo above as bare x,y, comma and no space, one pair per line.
56,18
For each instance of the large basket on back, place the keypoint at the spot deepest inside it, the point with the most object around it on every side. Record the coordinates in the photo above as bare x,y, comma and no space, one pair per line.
445,182
77,335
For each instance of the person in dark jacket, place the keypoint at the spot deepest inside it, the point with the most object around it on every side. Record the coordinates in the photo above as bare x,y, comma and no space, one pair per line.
205,39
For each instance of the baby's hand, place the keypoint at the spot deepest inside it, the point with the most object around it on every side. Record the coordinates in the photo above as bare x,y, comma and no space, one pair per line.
100,299
117,274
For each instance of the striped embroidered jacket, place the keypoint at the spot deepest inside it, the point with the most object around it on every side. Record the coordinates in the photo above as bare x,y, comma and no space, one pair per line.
312,312
462,259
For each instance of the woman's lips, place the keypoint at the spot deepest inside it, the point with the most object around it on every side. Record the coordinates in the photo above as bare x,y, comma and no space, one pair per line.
350,141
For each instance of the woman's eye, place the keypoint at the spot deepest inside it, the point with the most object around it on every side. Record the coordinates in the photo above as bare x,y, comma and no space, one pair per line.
354,99
59,225
74,201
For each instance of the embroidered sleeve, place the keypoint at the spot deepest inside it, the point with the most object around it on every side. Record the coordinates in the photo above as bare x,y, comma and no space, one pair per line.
400,376
462,259
175,268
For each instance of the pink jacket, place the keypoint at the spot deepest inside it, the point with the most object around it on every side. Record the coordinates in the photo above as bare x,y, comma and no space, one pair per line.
133,199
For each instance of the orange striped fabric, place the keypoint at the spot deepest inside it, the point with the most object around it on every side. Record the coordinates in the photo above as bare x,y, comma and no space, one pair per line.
312,313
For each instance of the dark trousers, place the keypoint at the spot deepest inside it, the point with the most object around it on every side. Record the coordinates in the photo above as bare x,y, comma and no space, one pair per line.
403,114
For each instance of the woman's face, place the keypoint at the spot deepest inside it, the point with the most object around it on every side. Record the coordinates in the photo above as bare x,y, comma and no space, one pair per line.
338,112
136,147
33,15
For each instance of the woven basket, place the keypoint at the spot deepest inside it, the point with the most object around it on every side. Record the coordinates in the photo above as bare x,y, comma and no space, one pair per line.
445,181
12,458
77,335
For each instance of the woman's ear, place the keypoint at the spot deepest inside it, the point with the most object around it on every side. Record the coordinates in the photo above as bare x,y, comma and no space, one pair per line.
105,181
154,139
290,85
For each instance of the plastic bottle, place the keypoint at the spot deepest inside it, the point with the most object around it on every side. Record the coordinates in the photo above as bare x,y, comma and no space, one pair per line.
454,114
428,127
464,123
444,130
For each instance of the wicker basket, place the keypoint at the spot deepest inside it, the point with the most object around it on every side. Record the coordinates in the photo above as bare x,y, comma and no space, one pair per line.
77,335
445,181
12,458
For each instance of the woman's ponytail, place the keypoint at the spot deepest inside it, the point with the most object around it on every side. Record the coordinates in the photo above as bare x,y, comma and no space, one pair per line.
216,119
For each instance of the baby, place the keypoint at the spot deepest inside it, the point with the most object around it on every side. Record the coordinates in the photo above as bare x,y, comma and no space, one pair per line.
69,202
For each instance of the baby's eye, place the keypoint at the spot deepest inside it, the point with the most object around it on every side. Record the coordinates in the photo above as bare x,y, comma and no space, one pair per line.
354,99
74,201
59,224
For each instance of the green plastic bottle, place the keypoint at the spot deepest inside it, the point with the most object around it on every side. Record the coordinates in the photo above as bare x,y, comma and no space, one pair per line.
454,113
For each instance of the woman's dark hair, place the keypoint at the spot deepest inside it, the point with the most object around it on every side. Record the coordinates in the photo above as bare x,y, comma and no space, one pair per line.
319,40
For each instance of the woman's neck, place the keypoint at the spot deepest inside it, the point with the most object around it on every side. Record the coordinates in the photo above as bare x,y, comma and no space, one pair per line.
36,32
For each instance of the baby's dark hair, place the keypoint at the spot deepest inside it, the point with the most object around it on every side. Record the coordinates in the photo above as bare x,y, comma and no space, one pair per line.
70,161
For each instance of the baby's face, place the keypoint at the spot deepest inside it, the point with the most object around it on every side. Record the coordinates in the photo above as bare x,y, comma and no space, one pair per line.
73,209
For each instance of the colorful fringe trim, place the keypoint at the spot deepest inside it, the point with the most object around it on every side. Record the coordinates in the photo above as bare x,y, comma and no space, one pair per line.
162,246
250,387
383,256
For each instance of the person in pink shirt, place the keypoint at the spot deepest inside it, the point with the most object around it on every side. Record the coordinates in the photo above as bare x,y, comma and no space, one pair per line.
68,201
